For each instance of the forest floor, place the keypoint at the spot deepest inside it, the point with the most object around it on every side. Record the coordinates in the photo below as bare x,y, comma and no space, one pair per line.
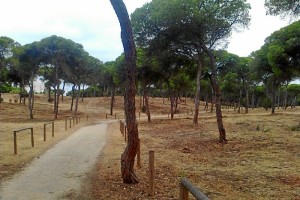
260,161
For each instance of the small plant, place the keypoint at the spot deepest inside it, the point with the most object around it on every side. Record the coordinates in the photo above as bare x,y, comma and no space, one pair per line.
10,100
16,100
257,127
1,100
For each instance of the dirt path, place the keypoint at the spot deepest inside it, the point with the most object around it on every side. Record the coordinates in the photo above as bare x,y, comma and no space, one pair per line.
57,174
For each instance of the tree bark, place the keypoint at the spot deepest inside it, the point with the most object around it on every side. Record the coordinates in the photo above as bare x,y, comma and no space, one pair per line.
112,100
77,99
217,94
31,99
197,95
63,89
247,100
127,158
146,97
240,99
73,96
82,94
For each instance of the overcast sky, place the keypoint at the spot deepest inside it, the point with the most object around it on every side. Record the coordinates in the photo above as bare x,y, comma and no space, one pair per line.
94,24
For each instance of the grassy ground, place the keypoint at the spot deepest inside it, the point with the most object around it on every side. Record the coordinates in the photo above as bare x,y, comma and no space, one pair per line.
261,160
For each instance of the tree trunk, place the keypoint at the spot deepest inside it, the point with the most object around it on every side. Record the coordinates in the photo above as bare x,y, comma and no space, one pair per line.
253,100
30,99
172,106
77,99
273,90
82,94
57,101
285,99
63,89
146,97
127,158
49,93
217,92
197,94
213,98
247,100
112,100
240,99
73,96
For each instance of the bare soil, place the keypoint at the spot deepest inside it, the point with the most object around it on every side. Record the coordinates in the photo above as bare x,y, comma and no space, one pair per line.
261,160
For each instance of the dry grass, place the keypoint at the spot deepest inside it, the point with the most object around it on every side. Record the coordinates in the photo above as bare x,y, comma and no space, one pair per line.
15,116
261,160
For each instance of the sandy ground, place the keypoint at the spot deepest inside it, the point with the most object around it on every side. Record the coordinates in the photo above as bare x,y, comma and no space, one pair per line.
59,172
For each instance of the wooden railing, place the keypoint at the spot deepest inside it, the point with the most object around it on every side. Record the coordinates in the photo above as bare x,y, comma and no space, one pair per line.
186,186
15,138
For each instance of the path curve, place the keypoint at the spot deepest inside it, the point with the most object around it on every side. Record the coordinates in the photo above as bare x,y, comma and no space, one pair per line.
60,170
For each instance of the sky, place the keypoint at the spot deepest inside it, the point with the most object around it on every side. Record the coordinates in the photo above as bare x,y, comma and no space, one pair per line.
94,24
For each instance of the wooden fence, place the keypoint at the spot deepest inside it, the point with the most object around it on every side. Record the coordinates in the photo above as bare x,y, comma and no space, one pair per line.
15,138
45,126
186,186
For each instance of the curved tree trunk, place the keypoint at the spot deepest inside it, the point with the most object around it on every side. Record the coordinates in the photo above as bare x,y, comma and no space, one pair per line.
217,92
127,158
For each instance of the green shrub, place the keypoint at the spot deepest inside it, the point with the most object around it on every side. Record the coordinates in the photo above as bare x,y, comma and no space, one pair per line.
267,103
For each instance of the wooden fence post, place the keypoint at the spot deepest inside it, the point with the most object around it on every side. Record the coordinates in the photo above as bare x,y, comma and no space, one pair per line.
105,115
184,193
151,173
73,121
45,137
15,142
32,139
52,129
70,118
187,187
115,115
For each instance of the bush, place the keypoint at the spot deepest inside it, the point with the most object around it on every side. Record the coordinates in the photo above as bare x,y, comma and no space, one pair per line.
267,103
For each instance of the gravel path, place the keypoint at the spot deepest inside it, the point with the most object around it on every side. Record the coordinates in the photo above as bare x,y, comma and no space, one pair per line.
58,172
